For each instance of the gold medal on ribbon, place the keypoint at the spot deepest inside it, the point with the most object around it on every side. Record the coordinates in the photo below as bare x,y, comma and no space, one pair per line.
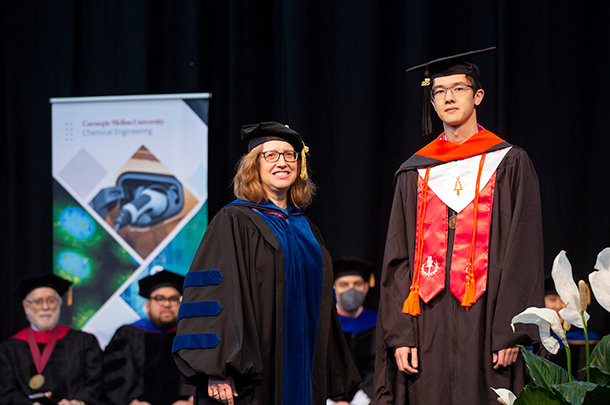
37,381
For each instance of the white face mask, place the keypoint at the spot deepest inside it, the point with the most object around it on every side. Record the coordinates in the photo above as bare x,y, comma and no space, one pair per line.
351,300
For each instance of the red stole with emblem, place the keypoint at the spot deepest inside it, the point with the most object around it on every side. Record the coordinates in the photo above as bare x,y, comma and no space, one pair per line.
469,261
434,254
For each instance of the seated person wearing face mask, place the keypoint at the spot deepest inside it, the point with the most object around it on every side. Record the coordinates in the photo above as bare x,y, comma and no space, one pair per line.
353,278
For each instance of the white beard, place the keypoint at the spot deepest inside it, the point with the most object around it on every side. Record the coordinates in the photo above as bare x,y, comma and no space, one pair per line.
44,324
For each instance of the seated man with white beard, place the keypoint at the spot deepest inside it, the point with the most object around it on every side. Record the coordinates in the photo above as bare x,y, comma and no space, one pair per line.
46,358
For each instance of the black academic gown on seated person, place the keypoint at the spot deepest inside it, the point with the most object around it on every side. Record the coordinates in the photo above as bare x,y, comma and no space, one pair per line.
74,370
455,345
241,245
359,334
138,364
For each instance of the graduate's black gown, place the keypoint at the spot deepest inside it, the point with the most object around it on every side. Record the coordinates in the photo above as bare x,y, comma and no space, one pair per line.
455,345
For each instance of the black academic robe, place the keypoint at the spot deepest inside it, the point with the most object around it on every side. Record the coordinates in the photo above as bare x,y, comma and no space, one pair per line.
250,325
455,345
138,365
360,337
74,370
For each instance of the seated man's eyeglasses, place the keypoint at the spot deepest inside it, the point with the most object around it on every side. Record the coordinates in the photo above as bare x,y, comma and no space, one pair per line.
458,90
39,303
161,300
272,156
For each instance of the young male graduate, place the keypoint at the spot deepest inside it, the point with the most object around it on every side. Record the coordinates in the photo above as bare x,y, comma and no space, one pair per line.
353,279
138,365
48,358
463,256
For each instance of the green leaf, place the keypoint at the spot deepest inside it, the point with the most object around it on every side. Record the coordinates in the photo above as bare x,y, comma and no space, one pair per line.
544,372
575,391
601,354
538,395
597,396
599,376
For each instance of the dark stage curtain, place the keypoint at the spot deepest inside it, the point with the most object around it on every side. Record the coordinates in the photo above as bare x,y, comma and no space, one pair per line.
334,71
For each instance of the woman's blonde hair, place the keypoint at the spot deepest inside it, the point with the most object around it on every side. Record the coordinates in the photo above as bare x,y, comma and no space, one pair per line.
247,183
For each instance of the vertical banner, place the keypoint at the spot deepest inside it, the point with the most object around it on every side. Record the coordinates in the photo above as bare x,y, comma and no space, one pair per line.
130,196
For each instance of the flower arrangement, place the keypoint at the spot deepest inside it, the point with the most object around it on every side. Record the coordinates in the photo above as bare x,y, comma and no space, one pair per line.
554,384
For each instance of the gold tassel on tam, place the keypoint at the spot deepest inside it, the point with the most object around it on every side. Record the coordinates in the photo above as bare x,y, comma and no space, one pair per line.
304,151
69,296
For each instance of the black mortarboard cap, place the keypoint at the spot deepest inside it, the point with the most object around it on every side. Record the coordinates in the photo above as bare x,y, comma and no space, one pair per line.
354,266
257,134
164,278
26,285
447,66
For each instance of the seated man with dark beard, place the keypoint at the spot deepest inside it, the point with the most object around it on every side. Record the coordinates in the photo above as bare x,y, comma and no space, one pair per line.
138,365
46,358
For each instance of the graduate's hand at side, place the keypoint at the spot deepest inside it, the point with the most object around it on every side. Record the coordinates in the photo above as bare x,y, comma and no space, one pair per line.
403,362
505,357
136,402
222,391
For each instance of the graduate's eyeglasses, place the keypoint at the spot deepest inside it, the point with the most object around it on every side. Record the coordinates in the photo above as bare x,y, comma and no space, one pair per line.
161,300
39,303
273,156
458,90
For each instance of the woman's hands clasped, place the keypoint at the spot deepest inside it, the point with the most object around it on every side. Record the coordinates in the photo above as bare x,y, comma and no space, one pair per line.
222,391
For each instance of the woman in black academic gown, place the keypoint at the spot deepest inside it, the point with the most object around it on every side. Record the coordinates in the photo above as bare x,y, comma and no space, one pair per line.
258,324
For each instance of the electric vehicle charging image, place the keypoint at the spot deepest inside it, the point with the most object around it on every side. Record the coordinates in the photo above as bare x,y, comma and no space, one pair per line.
145,204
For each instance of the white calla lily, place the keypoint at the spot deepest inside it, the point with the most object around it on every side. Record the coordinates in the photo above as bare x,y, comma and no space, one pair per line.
600,280
567,290
547,320
505,396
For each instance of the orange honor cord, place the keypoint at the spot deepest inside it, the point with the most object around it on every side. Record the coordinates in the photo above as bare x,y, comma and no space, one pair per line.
411,304
470,292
